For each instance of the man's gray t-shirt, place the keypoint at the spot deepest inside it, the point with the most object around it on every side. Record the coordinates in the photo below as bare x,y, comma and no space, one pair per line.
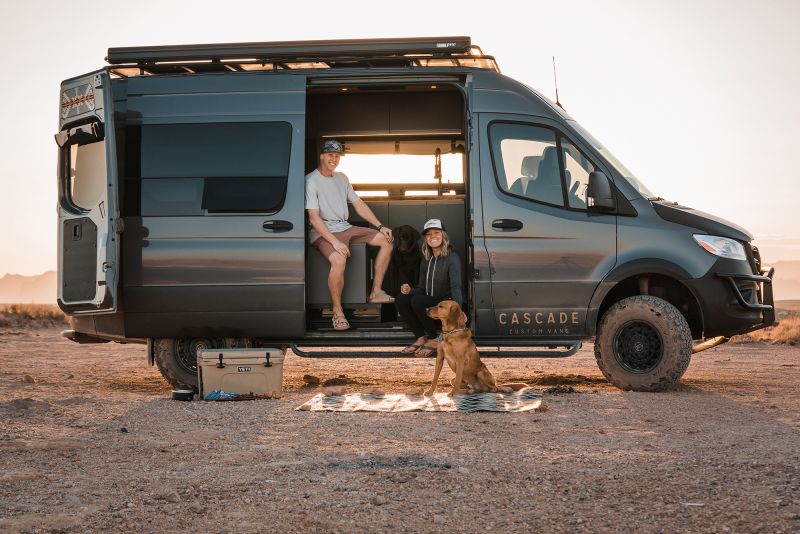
330,196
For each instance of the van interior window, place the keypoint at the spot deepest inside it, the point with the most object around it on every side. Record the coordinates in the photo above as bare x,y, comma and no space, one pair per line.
87,173
400,173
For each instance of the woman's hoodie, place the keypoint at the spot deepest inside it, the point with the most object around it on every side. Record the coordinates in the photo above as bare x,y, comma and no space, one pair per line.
440,277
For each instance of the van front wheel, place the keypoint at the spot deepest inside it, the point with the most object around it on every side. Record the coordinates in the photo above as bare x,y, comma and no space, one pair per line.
643,344
177,358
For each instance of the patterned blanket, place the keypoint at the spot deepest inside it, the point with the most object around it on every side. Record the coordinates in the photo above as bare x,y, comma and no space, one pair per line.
525,400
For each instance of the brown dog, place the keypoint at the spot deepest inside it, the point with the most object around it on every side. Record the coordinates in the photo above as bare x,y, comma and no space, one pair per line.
457,348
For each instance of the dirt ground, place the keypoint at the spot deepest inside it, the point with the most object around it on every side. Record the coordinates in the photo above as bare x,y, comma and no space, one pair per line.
91,442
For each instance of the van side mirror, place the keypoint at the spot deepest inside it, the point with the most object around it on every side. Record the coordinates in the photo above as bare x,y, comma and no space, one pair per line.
599,193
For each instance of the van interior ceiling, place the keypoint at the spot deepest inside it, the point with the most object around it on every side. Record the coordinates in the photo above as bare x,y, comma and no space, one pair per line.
405,156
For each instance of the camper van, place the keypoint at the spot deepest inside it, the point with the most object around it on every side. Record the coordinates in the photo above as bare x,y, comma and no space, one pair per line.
182,226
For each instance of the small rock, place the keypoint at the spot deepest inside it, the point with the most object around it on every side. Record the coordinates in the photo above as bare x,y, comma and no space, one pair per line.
379,500
340,380
123,430
439,519
70,376
197,508
172,496
130,505
331,391
28,379
311,380
463,471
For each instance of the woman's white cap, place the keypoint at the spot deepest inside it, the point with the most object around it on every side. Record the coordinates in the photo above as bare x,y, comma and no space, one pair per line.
432,224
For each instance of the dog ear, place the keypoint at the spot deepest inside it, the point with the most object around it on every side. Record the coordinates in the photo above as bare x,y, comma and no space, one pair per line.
396,232
415,235
455,314
463,320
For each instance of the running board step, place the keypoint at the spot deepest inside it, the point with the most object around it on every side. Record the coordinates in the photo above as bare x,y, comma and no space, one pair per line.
357,351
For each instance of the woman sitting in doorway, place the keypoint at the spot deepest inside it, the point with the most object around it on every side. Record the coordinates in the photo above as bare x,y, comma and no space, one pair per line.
439,279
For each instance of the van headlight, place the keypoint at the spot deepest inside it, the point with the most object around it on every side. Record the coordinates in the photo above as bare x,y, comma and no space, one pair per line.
721,246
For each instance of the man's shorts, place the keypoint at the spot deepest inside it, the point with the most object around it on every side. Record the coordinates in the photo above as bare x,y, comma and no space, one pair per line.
354,234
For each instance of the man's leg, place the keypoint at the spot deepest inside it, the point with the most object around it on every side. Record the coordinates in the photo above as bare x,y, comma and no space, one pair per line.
381,261
335,274
336,281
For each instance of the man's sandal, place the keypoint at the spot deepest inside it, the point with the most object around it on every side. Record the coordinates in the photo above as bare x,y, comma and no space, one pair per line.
411,349
426,351
340,322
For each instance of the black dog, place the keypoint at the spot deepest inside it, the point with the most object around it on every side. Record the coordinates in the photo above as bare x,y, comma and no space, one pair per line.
406,257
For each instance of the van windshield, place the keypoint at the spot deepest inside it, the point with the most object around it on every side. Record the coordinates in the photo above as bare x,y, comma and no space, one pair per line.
617,164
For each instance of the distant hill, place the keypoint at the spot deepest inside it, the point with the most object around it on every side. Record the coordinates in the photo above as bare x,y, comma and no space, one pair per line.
787,280
38,289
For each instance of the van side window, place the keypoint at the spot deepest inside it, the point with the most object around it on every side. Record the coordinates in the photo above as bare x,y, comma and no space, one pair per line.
576,172
526,161
195,169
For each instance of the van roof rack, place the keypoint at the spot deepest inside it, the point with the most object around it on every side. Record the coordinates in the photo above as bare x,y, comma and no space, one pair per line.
292,55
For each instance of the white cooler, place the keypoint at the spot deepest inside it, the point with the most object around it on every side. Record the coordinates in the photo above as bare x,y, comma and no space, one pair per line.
243,371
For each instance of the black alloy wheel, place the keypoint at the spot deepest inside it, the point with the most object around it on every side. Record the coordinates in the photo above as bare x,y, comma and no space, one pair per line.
638,347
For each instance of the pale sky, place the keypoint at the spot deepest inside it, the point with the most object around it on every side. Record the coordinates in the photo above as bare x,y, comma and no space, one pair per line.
698,98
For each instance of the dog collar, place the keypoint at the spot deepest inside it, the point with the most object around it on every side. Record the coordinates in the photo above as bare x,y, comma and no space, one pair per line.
443,334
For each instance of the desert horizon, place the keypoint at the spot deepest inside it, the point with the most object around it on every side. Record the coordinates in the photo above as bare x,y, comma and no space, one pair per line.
41,288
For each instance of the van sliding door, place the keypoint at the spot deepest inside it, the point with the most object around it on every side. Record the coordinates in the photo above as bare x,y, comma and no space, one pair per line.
215,238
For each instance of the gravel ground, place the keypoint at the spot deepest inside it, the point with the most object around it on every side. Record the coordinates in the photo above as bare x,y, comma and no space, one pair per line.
90,442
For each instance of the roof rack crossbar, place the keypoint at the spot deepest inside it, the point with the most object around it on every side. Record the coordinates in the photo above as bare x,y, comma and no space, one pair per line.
292,50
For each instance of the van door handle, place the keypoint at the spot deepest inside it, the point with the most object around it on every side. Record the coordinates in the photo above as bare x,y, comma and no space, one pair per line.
507,224
277,226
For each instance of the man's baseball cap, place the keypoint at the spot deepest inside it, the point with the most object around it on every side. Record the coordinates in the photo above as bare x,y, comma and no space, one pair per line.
432,224
332,146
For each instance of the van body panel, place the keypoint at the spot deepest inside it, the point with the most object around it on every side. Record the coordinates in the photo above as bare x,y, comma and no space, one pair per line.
192,299
238,261
88,248
649,236
495,93
213,325
544,273
189,268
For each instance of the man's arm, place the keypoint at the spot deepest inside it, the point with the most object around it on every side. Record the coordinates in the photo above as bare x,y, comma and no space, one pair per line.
322,229
362,209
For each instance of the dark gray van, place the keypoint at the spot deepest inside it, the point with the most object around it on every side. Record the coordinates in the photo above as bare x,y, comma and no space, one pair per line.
182,224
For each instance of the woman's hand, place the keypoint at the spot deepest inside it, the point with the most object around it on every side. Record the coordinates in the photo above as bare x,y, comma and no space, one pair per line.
405,289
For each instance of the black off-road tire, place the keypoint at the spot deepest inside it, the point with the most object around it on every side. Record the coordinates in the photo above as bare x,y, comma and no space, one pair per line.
643,344
177,358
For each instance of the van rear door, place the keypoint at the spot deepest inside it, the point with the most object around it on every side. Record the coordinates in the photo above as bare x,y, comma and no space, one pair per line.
88,212
545,250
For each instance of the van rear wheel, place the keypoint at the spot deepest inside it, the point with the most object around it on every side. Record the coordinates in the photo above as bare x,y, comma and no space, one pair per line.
176,358
643,344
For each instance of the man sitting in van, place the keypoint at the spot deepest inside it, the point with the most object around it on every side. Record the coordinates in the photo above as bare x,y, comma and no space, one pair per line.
327,195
